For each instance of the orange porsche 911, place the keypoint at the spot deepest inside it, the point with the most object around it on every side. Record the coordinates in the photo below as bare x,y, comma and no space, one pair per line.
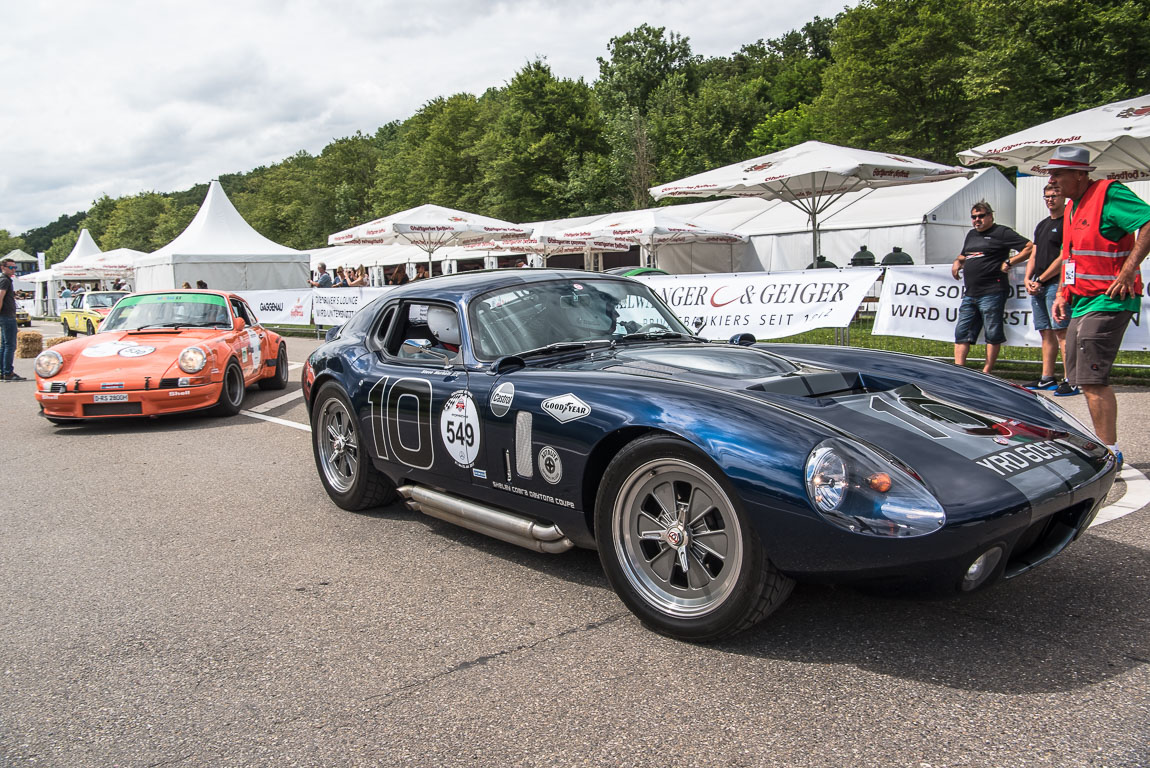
160,353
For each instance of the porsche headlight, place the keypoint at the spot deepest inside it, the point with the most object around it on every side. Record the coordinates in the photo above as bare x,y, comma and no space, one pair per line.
192,360
856,489
48,363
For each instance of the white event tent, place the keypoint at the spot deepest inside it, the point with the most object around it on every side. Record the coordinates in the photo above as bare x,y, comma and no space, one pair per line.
221,248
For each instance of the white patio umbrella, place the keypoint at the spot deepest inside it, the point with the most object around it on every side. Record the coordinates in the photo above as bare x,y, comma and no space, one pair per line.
428,227
545,243
649,229
811,176
1117,135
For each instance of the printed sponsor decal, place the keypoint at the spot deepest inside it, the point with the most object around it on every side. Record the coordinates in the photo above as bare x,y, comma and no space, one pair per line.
565,408
1023,457
545,497
550,465
138,350
47,396
502,398
107,348
179,392
459,428
479,473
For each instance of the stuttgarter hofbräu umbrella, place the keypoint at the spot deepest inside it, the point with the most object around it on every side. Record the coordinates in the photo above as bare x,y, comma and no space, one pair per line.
812,176
428,227
1117,135
649,229
545,244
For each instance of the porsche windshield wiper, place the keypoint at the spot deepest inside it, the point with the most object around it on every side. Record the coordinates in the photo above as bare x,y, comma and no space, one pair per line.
155,325
658,336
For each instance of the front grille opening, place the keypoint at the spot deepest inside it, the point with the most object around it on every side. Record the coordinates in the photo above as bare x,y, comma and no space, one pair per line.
113,409
1047,537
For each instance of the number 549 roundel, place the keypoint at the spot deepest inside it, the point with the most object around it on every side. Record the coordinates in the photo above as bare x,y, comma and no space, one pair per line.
556,409
159,353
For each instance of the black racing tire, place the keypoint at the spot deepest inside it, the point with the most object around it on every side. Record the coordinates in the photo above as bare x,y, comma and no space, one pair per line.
345,469
67,330
662,504
280,379
90,329
231,391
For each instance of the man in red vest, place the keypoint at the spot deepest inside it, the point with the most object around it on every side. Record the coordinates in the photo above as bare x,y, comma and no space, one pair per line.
1101,282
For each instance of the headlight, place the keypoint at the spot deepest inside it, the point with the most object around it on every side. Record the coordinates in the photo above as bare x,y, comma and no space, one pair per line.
192,360
856,489
48,363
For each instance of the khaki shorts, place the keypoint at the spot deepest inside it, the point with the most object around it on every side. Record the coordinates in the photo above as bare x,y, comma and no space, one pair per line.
1092,342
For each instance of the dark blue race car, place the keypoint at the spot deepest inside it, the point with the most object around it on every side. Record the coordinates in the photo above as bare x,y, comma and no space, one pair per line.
554,409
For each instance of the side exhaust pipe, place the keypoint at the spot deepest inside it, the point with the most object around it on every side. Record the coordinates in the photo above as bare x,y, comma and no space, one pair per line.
489,521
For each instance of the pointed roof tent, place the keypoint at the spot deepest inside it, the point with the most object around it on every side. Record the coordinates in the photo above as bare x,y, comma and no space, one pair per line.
85,248
222,249
218,228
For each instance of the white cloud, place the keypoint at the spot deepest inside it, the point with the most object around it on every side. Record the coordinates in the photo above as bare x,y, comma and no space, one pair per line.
122,97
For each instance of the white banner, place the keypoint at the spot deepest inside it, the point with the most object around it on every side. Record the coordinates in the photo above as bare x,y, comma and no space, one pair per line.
29,305
766,305
922,302
335,306
280,307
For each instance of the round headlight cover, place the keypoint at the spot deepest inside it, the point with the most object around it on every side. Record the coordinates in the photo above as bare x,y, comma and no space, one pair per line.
841,483
48,363
192,360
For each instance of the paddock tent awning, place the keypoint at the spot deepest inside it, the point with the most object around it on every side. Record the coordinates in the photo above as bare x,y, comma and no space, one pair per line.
220,248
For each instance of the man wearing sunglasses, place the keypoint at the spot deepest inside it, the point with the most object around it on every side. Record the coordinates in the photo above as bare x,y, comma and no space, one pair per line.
984,264
8,327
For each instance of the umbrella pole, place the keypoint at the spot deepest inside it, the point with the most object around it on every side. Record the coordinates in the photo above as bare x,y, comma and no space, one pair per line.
815,236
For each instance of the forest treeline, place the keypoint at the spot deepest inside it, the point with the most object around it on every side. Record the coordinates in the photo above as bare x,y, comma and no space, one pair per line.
919,77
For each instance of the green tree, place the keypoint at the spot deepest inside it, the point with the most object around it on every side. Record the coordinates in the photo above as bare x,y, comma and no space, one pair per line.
61,246
9,243
640,62
896,80
132,222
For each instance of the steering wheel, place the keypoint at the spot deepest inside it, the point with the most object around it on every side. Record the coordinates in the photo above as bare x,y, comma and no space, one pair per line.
653,327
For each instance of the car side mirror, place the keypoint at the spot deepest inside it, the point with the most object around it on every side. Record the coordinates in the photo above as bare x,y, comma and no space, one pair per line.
237,323
425,346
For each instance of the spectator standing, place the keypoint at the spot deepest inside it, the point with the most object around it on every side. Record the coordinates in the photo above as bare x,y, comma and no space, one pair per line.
398,276
357,278
420,272
340,281
201,285
8,328
1101,283
1043,269
322,279
985,264
65,299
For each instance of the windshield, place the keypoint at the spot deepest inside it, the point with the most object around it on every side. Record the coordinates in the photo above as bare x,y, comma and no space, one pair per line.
160,310
509,321
104,300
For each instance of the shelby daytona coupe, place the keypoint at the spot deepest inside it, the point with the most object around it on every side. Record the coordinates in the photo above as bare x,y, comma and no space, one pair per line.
555,409
160,353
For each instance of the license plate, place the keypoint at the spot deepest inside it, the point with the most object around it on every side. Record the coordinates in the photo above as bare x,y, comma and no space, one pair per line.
118,397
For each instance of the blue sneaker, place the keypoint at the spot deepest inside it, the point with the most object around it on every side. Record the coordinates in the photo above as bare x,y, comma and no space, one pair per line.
1065,390
1045,382
1118,456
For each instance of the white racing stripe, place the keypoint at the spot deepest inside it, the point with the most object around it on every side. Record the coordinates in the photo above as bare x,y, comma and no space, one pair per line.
1136,497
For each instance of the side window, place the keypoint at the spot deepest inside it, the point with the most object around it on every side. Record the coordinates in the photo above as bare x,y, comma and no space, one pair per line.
78,301
241,312
247,313
435,323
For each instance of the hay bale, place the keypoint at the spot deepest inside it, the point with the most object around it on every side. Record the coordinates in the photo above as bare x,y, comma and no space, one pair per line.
54,340
29,343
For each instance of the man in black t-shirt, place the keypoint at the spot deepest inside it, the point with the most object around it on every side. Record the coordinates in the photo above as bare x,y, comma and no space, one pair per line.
985,264
8,328
1043,272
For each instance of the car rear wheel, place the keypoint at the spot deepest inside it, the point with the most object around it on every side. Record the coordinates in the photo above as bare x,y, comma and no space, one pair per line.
677,546
231,391
280,379
346,470
91,328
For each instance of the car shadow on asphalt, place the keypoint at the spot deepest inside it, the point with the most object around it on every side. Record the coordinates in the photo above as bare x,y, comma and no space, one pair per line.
1072,623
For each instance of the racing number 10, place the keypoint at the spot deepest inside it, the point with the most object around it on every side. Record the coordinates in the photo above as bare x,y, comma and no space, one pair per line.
403,412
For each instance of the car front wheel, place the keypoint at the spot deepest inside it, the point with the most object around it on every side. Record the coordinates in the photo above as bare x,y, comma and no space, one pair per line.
231,391
677,546
346,470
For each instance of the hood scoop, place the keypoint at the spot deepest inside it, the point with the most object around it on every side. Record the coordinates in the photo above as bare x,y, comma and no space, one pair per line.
826,384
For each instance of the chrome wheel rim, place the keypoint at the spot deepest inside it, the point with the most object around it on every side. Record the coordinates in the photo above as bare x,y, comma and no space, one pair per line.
338,445
677,538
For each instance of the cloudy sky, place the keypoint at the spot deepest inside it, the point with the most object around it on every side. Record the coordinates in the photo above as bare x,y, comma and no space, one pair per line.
123,96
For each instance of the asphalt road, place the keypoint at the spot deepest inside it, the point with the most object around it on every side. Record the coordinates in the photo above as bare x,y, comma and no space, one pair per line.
182,592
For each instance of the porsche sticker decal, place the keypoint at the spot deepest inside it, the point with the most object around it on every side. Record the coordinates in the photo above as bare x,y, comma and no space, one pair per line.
137,350
459,428
565,408
550,465
502,398
107,348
